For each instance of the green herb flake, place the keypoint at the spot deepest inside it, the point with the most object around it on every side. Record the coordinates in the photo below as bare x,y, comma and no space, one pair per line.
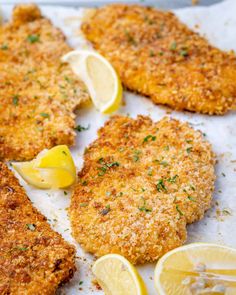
81,282
80,128
21,248
189,150
161,53
105,166
151,53
183,52
45,115
226,212
136,156
64,152
172,179
144,207
191,199
173,46
161,186
223,174
15,100
4,47
33,38
166,148
31,226
179,211
130,38
83,204
65,193
151,137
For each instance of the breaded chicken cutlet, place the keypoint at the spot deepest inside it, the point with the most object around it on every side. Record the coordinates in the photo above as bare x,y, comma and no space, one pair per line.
141,183
38,93
160,57
33,258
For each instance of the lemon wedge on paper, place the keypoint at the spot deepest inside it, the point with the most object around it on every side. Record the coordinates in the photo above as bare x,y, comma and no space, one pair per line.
117,276
99,76
197,268
52,168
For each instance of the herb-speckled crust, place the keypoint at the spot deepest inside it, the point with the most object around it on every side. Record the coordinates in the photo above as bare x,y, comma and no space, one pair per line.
33,258
158,56
141,183
38,94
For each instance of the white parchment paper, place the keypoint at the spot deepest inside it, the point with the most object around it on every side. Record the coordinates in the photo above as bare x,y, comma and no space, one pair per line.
218,24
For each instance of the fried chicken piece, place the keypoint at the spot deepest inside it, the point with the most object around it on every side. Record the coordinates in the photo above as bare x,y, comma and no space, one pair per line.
38,94
158,56
34,259
140,184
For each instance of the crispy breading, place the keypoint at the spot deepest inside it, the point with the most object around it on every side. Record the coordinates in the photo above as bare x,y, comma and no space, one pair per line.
158,56
34,259
140,184
38,93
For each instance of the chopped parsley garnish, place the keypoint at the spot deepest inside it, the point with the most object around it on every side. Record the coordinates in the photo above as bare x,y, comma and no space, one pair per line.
80,128
44,115
173,46
4,47
136,156
105,166
191,199
65,153
151,137
85,182
180,212
31,226
144,207
183,52
189,149
15,100
161,186
81,282
223,174
150,171
65,193
172,179
161,53
166,148
83,204
33,38
151,53
163,163
21,248
130,38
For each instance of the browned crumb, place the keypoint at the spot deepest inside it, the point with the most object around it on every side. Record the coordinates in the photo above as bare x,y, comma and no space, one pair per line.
34,259
140,184
158,56
38,94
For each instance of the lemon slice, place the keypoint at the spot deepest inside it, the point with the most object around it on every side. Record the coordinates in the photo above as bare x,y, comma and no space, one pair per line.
52,168
99,76
117,276
197,269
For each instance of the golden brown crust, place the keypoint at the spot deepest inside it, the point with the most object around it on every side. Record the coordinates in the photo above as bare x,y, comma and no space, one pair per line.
158,56
140,184
38,93
34,259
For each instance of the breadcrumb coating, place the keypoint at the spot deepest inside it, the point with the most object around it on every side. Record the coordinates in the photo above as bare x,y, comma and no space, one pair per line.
160,57
38,94
141,183
34,259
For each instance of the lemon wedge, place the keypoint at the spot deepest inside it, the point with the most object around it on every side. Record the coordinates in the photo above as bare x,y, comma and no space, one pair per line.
99,76
117,276
197,268
52,168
